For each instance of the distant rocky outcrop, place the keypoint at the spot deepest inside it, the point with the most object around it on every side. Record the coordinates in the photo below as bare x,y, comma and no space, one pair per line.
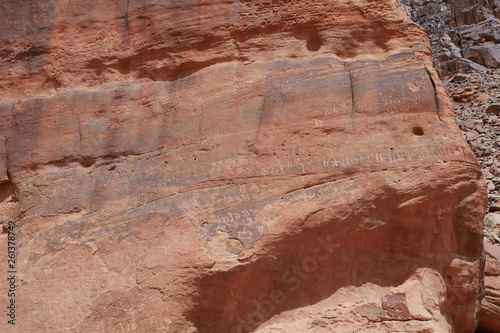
233,166
464,34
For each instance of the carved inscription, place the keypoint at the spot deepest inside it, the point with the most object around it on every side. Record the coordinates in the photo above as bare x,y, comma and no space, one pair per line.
401,103
250,224
392,156
334,110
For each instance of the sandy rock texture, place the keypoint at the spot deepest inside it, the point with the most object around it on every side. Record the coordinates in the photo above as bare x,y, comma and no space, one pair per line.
233,166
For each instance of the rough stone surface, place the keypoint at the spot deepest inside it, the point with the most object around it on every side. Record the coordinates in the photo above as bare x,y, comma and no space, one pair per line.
221,166
474,26
476,30
475,98
4,177
490,306
464,34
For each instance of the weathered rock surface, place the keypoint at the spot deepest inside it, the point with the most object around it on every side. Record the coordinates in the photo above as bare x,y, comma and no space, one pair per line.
477,30
464,34
220,166
475,99
475,92
490,306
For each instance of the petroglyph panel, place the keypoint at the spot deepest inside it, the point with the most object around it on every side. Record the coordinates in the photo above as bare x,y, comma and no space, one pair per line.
311,159
383,88
275,134
257,218
395,156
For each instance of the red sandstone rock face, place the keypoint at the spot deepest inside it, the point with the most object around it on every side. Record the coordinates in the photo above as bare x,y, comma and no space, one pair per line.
233,167
490,306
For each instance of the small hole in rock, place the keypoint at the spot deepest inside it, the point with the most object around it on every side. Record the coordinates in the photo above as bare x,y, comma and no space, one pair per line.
87,162
418,131
314,44
7,190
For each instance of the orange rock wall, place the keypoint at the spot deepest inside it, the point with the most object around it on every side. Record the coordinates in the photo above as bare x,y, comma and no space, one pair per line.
223,166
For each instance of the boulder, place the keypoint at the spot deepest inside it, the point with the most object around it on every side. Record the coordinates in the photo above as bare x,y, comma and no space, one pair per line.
476,30
464,34
468,12
493,109
487,54
222,166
